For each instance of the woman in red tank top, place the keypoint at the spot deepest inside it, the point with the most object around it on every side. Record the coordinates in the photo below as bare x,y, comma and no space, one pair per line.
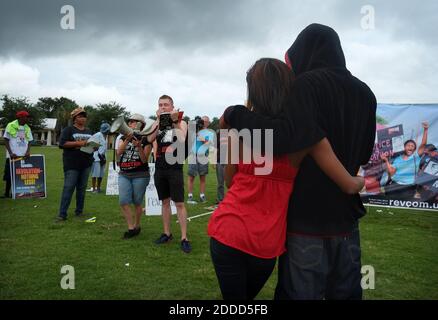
248,229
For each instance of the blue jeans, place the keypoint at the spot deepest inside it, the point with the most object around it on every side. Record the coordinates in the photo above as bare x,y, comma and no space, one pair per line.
74,179
315,268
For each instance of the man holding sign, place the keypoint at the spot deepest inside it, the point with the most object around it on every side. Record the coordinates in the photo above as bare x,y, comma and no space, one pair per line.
17,137
168,177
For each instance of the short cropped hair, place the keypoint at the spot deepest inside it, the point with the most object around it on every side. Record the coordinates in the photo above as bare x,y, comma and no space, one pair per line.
165,96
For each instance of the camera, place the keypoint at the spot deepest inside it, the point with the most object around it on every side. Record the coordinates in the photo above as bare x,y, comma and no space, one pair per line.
199,123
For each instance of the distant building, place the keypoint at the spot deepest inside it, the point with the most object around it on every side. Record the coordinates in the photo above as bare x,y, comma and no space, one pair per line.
47,136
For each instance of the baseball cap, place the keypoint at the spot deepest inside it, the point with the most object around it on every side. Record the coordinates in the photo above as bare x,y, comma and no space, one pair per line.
22,114
77,111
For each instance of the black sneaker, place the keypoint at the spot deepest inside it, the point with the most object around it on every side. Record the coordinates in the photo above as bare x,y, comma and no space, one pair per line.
137,231
80,215
164,238
60,219
186,246
129,234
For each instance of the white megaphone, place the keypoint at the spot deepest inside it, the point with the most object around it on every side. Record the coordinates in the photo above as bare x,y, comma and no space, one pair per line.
119,125
149,127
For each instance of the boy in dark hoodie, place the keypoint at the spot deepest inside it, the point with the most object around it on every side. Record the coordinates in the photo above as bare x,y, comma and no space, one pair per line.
323,244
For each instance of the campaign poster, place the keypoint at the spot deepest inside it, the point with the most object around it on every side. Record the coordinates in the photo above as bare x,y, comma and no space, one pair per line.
153,204
403,169
28,177
112,182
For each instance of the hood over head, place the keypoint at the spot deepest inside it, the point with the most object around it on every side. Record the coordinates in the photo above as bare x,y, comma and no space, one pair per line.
317,46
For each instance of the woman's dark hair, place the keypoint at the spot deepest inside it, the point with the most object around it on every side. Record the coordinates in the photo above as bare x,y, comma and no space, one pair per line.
269,85
410,141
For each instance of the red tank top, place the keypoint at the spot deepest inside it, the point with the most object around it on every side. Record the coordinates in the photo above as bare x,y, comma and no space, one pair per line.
252,216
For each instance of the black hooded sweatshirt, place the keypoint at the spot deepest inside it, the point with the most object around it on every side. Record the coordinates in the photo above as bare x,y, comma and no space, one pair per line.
326,101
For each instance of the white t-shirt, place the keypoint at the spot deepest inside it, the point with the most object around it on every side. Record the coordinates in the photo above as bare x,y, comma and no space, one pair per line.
18,144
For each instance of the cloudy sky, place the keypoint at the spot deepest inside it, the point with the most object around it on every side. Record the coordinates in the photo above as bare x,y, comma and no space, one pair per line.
198,51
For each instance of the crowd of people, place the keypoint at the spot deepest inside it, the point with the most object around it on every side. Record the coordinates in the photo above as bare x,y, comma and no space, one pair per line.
304,214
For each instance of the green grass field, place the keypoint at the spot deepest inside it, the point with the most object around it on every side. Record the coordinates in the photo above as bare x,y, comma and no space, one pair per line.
401,245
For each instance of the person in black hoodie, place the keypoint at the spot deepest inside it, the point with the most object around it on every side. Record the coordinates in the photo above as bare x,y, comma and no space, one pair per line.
323,244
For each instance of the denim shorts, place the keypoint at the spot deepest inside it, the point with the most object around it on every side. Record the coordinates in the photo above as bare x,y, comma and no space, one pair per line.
132,189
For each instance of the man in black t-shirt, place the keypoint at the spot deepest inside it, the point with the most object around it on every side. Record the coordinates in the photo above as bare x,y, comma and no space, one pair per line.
168,176
77,163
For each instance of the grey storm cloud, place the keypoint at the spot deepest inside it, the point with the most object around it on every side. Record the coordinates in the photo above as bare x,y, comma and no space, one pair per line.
33,27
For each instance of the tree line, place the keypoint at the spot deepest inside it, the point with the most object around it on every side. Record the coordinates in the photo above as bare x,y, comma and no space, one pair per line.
60,108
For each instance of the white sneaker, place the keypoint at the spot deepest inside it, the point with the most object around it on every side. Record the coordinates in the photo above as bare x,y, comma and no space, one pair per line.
191,201
90,190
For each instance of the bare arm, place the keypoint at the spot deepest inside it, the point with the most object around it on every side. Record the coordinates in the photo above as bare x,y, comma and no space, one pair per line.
329,163
424,139
122,145
147,151
141,150
8,147
75,144
153,135
391,170
155,147
181,131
